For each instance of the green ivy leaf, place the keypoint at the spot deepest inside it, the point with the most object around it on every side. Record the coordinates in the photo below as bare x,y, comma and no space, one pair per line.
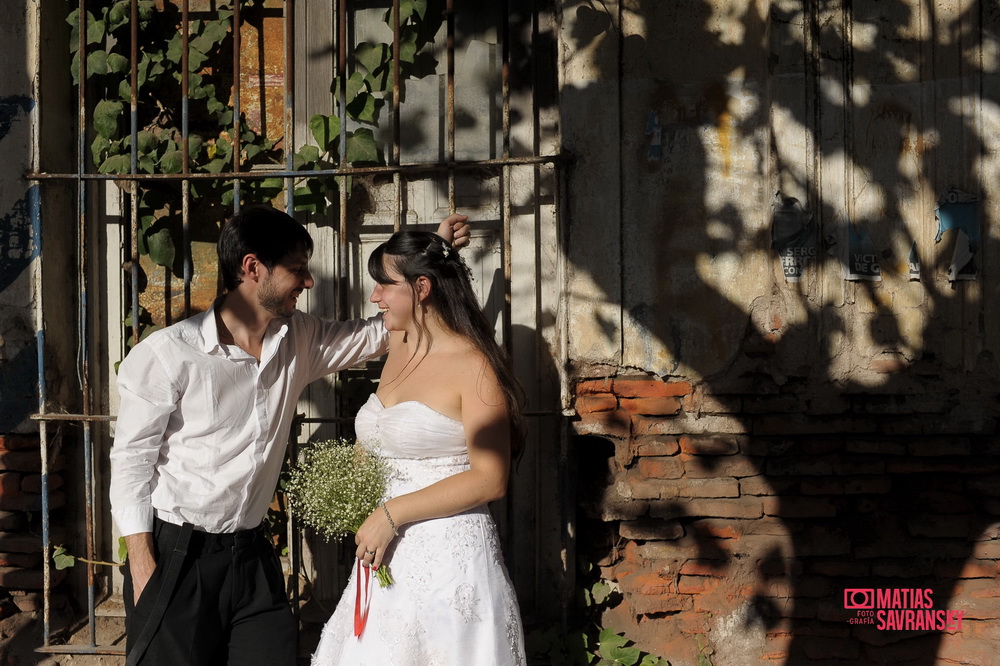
365,108
99,148
97,63
106,117
324,129
172,161
629,656
175,48
116,164
652,660
218,165
119,14
307,153
600,591
196,59
117,63
95,30
62,559
122,549
161,247
195,143
146,141
373,56
361,147
704,660
310,198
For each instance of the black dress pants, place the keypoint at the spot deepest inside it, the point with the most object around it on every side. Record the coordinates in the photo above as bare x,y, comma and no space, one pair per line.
227,606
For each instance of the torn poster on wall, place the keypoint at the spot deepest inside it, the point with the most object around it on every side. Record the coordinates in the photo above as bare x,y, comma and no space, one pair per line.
862,262
959,212
793,235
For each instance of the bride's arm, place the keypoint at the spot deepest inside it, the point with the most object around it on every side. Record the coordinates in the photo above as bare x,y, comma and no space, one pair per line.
487,431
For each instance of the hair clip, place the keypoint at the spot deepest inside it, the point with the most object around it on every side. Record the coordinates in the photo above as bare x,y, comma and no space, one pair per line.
445,249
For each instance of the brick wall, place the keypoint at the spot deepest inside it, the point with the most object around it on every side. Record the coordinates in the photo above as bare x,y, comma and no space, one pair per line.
21,576
733,514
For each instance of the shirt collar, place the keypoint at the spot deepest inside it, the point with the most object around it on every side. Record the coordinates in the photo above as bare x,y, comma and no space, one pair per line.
209,330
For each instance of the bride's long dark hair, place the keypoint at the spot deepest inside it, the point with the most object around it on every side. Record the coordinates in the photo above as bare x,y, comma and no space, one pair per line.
424,254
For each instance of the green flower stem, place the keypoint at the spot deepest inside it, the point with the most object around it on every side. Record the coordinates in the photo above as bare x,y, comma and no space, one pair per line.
383,576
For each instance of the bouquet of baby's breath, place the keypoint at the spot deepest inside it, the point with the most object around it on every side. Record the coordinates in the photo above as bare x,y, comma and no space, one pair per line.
336,487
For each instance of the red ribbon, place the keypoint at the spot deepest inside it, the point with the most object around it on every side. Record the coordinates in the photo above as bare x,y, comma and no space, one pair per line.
361,617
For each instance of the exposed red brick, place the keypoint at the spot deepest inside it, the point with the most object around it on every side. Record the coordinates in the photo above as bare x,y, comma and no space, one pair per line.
639,387
750,507
638,486
693,623
716,568
31,501
28,579
10,485
24,560
697,584
656,446
822,486
970,569
615,423
799,507
11,521
666,467
715,529
651,530
594,386
761,485
868,486
939,526
652,406
14,442
648,582
843,568
595,403
719,487
710,445
701,467
32,483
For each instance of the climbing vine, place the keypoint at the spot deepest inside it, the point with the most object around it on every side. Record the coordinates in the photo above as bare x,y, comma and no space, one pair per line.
213,133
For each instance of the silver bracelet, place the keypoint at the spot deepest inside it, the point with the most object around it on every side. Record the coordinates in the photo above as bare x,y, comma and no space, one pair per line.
389,518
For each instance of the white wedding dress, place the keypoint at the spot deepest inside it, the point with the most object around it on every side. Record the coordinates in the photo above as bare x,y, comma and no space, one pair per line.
452,602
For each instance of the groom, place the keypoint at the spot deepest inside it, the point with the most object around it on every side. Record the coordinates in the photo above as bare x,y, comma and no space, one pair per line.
206,410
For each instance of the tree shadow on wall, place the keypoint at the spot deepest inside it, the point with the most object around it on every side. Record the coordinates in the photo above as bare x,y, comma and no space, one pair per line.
882,477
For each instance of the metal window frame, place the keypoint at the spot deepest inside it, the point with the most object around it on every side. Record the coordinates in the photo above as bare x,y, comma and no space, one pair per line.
48,418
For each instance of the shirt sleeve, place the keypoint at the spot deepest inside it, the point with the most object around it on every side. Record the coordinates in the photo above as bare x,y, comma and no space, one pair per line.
335,345
148,398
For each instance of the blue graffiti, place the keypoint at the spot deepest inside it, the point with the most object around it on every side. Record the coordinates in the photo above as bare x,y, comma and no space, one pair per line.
10,107
18,240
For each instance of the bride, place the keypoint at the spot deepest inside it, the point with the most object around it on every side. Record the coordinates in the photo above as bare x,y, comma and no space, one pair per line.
447,416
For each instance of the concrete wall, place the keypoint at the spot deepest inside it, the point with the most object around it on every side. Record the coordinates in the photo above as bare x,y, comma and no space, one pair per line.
763,444
18,235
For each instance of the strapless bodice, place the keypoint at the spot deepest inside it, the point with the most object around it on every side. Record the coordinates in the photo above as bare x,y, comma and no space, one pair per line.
409,429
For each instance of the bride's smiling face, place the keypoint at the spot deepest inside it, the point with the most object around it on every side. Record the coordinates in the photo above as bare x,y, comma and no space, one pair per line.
396,300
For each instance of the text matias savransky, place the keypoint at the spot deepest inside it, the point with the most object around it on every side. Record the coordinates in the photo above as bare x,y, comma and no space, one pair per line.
903,609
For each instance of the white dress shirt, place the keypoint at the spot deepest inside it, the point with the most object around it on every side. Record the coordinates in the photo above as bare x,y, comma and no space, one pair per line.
202,427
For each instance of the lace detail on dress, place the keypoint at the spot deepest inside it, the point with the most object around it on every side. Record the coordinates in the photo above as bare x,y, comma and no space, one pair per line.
465,602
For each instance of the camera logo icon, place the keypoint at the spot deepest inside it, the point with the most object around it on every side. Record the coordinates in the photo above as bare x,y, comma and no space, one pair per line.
859,598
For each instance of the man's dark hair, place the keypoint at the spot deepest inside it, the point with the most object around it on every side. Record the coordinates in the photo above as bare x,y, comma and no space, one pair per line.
263,231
